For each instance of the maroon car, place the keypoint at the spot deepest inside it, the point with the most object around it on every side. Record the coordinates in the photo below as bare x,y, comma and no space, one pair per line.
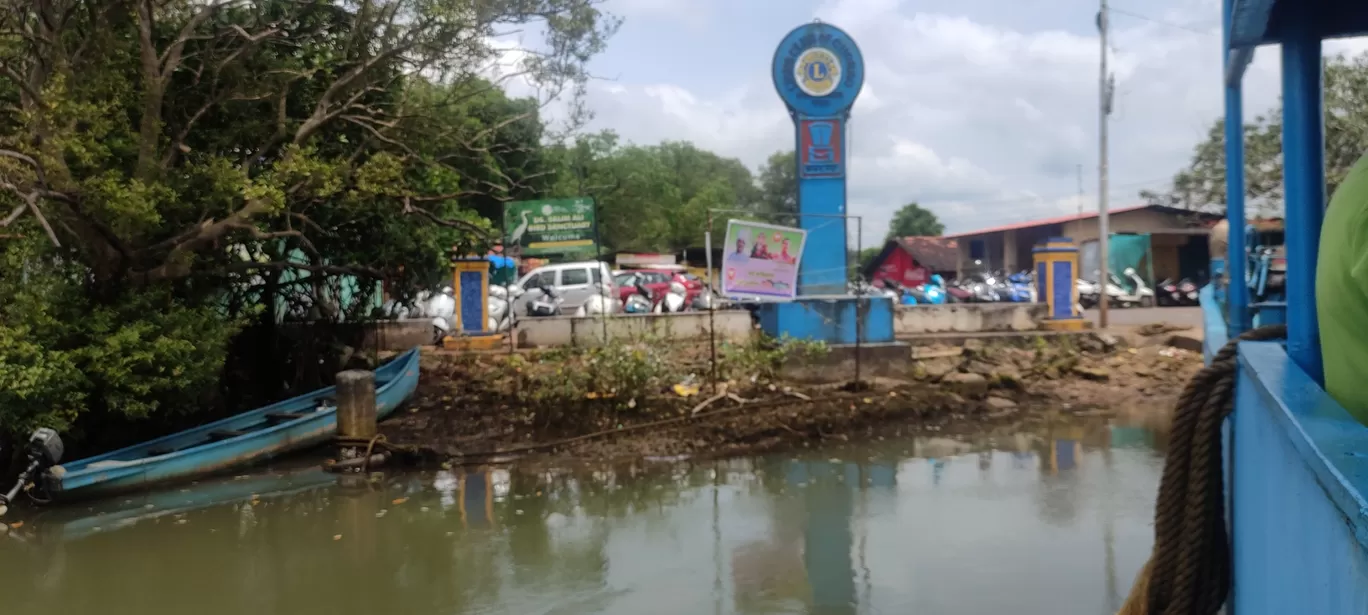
657,281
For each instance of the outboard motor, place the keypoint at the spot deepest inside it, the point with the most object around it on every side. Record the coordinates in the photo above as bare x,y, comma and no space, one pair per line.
44,450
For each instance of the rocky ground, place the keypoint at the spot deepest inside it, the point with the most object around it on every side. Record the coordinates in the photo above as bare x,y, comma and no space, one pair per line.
618,403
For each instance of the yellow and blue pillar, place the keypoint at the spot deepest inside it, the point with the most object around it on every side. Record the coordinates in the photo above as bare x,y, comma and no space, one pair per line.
470,281
1056,272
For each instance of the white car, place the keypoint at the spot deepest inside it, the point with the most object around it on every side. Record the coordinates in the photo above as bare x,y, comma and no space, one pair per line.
574,281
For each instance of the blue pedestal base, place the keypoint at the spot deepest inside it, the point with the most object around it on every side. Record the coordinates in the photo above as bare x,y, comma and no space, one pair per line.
830,319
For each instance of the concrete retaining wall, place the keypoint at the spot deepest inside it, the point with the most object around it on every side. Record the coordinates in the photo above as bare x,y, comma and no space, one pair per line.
398,334
967,318
730,325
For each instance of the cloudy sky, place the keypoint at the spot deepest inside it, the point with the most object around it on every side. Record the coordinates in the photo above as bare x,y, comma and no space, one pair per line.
981,110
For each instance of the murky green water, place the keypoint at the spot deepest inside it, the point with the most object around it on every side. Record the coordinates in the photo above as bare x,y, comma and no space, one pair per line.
1051,522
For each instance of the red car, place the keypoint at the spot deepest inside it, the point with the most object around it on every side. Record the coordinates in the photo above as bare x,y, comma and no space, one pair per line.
657,281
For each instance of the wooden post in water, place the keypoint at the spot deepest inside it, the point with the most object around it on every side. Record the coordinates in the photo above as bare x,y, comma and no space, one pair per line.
356,419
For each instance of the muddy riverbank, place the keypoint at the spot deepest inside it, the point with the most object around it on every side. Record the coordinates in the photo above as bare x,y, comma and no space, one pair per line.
648,400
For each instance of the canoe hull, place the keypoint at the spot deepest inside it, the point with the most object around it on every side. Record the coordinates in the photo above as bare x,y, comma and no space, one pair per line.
194,455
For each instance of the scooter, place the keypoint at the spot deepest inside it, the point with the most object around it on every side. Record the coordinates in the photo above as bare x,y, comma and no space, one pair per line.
956,293
1166,293
1088,293
1141,292
980,288
674,300
706,301
546,303
1187,292
442,309
597,304
1021,289
500,311
933,292
638,302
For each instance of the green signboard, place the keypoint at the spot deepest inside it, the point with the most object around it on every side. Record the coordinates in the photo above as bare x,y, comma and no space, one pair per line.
550,227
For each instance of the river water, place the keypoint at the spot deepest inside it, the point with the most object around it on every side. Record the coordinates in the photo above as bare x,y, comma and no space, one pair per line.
1053,521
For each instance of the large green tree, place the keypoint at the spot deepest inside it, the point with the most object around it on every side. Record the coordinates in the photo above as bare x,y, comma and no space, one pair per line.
1201,186
779,184
657,197
172,169
913,220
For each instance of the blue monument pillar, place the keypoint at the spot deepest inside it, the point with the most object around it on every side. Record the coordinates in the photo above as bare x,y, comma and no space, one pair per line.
818,72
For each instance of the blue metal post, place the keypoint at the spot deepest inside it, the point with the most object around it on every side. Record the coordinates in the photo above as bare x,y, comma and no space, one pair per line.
1237,293
1304,185
823,269
818,72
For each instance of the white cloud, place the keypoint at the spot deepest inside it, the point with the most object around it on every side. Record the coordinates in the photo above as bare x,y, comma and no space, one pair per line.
690,13
980,112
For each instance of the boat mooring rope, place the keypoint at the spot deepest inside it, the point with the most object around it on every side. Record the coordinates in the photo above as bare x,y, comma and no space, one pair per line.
1189,569
373,444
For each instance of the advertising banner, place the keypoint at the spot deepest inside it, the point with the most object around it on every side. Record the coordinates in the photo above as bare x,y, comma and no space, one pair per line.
550,227
761,260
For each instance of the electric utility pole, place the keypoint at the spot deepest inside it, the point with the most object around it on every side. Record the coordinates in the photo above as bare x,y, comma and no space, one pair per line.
1080,192
1105,90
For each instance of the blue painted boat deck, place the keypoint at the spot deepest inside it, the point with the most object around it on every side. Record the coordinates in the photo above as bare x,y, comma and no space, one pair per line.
1297,468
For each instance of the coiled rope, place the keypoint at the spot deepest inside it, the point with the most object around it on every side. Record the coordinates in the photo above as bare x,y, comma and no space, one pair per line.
1189,569
373,444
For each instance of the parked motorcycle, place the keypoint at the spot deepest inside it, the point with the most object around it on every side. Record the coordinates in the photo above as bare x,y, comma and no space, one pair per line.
1166,293
933,292
1143,295
956,293
674,299
1188,292
501,300
1088,293
639,302
547,302
442,309
984,288
1129,291
706,301
1020,288
597,304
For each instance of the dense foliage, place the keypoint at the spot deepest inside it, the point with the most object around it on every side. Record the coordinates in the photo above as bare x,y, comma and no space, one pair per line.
179,178
1202,187
657,197
172,170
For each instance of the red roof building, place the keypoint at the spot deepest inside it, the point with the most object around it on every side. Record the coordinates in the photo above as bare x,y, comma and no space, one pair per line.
910,261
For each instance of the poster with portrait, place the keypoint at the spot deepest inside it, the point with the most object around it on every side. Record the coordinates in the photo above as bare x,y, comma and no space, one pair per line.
761,260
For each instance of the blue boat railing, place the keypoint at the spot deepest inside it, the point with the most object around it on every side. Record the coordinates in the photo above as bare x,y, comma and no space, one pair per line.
1297,472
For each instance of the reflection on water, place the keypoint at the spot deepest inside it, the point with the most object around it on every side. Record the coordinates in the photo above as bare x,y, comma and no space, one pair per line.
1054,521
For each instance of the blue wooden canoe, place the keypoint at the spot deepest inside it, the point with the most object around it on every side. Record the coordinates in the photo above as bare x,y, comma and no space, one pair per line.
236,441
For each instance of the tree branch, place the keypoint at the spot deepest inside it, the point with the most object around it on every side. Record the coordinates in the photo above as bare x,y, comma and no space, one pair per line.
409,208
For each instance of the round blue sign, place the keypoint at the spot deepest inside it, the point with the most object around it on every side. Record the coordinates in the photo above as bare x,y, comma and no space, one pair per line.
818,70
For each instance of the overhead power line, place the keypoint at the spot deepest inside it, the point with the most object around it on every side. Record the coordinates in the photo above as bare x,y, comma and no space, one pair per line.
1161,22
